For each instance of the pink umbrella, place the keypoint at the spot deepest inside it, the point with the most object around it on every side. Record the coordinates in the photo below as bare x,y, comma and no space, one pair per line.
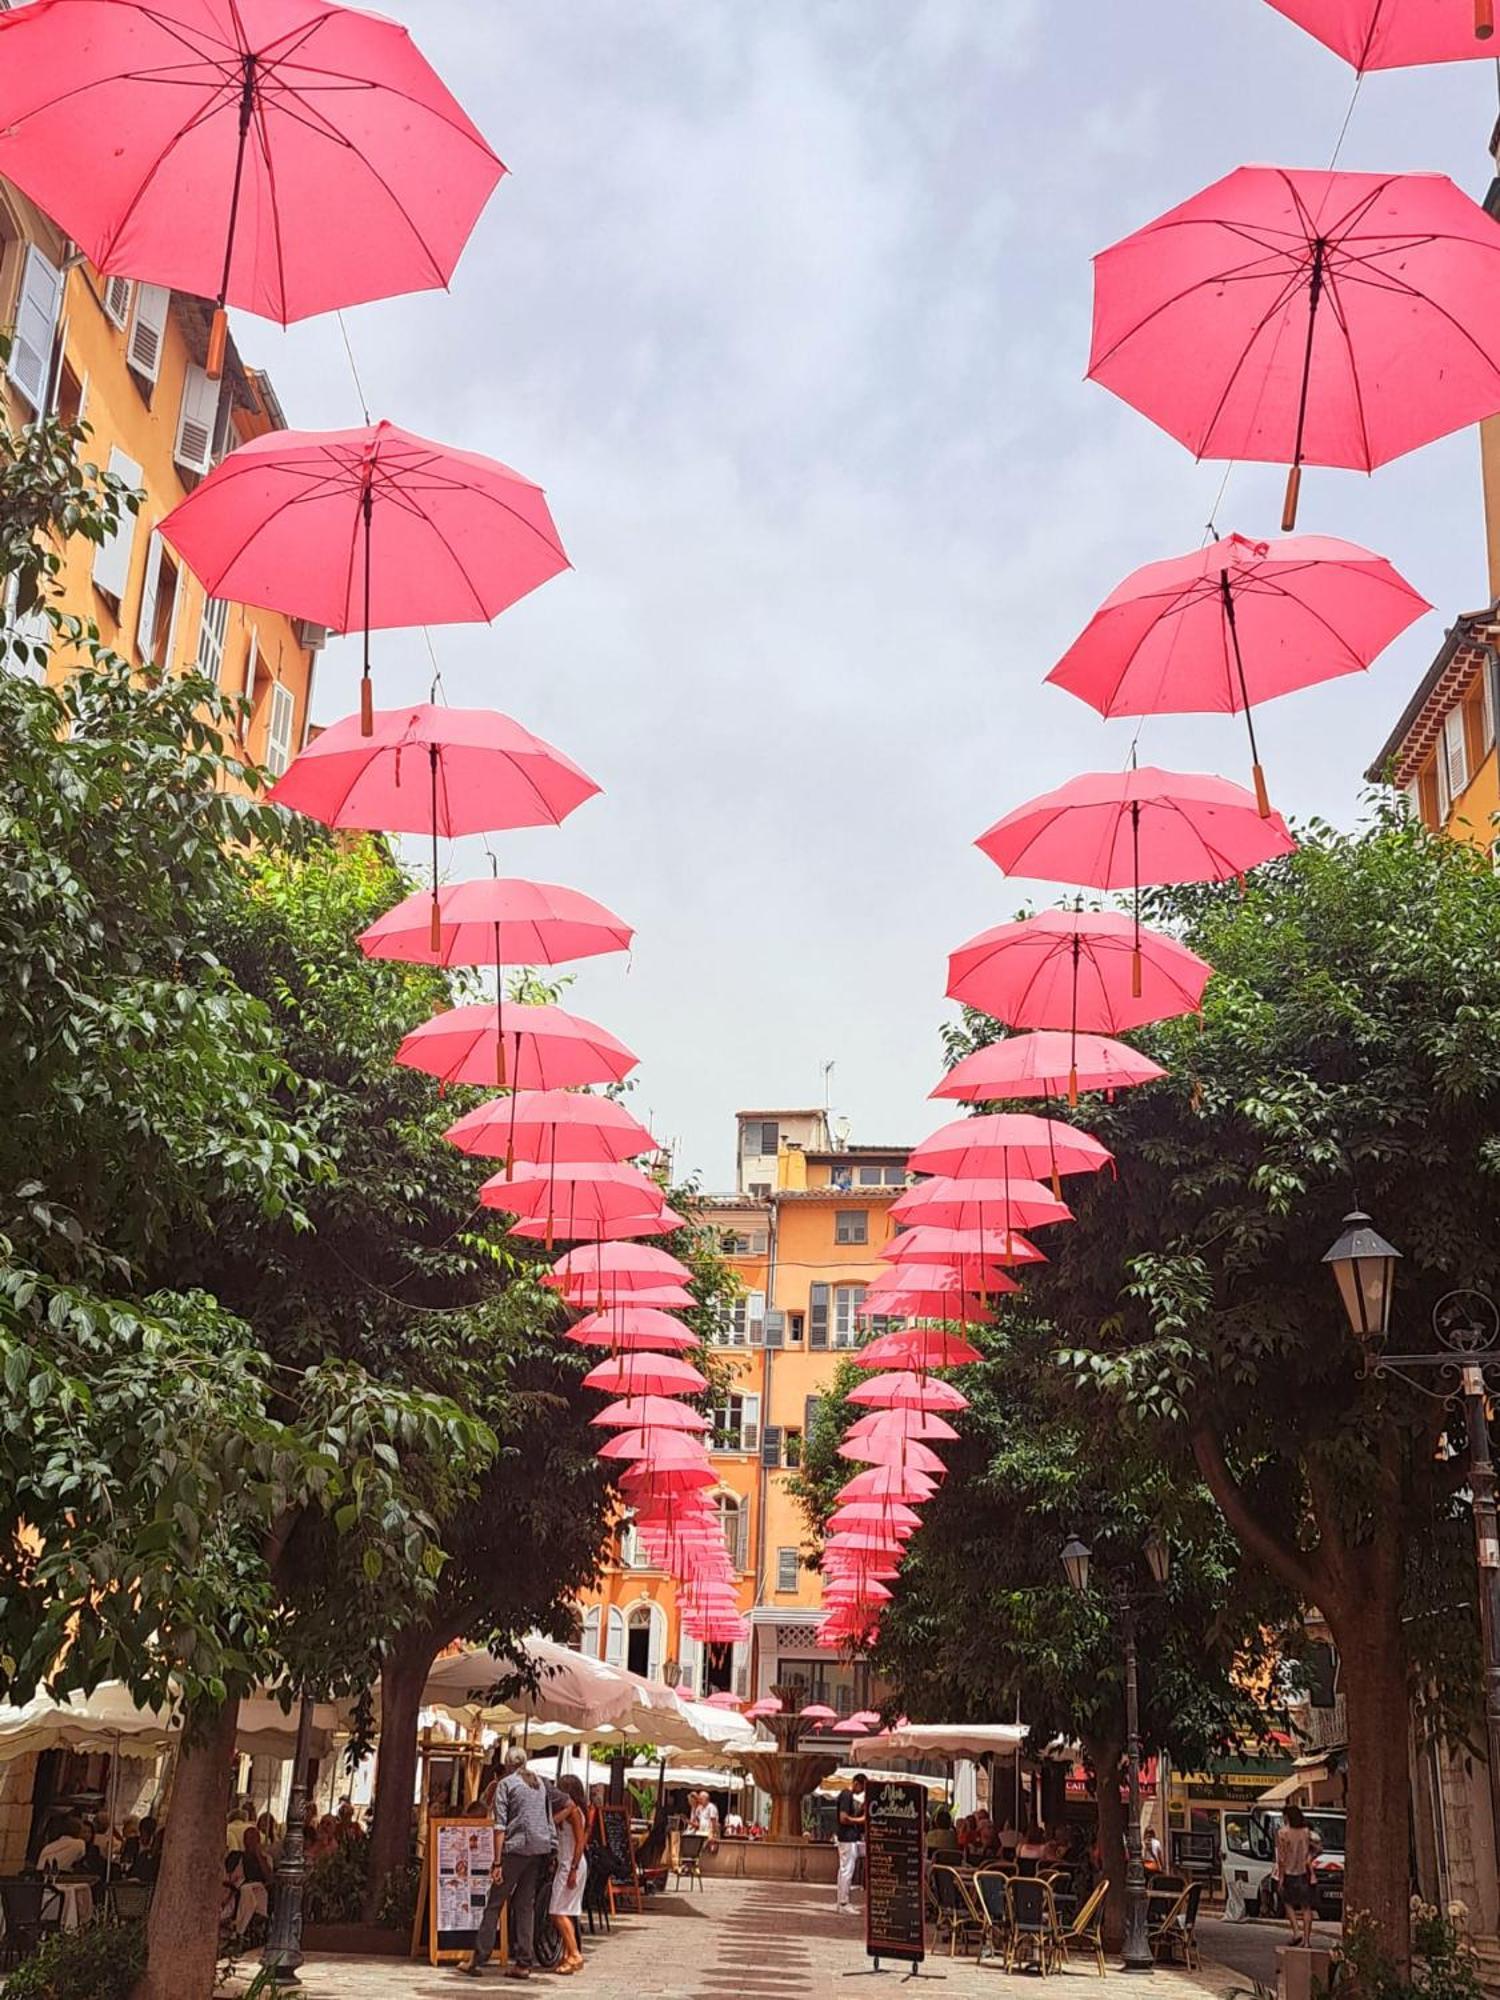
283,155
662,1221
649,1413
1045,1064
901,1423
1237,623
1305,317
633,1327
646,1375
655,1448
723,1699
980,1204
291,521
1009,1142
817,1712
545,1048
891,1449
888,1483
768,1704
553,1125
1395,34
901,1390
917,1347
925,1243
859,1513
653,1480
578,1196
928,1294
630,1267
497,922
865,1541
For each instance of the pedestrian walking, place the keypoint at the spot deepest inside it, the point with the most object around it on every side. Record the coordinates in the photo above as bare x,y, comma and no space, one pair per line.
1294,1873
851,1835
524,1836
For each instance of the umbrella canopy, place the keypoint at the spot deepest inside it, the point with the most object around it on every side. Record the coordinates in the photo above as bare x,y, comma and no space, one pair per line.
367,528
860,1513
816,1712
928,1293
657,1446
1234,624
585,1293
946,1739
917,1347
646,1375
1395,34
902,1390
648,1413
545,1048
576,1197
889,1483
901,1423
573,1689
497,922
926,1243
628,1267
552,1125
1044,1064
662,1221
945,1203
287,156
1009,1141
892,1449
1305,317
622,1327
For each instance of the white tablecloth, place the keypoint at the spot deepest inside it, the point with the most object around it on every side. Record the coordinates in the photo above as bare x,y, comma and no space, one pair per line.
77,1899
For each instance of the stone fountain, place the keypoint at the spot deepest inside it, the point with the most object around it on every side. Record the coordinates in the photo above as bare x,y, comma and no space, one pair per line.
787,1773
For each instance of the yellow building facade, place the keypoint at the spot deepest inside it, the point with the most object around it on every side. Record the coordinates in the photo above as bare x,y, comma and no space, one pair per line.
128,359
804,1229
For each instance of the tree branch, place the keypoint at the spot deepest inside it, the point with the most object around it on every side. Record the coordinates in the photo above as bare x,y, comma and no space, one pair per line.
1305,1574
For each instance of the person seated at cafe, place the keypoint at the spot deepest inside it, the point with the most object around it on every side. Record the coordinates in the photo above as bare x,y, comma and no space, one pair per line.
93,1860
1010,1840
148,1851
734,1824
65,1845
347,1824
270,1834
942,1840
984,1842
1032,1848
241,1815
129,1845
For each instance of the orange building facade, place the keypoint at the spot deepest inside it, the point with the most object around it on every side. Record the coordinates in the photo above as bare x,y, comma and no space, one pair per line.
128,359
803,1229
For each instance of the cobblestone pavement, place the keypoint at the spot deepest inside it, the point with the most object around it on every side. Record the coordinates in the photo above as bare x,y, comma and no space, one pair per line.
744,1941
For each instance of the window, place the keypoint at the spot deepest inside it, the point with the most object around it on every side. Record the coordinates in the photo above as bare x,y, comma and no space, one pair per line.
895,1176
197,421
143,348
30,364
32,630
851,1225
67,404
761,1137
869,1176
211,633
788,1563
116,300
736,1423
796,1328
770,1447
847,1300
743,1242
631,1556
791,1449
746,1323
810,1409
761,1189
734,1518
1454,759
157,617
112,556
279,729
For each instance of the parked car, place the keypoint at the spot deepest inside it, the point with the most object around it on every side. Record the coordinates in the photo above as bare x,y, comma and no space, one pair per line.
1250,1860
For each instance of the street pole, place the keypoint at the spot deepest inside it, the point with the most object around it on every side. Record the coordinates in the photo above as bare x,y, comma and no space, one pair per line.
283,1948
1137,1952
1487,1549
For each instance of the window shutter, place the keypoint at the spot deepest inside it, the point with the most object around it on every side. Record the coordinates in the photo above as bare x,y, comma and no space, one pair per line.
143,349
614,1644
810,1409
817,1316
211,633
36,321
252,665
1455,752
755,1315
749,1422
112,557
775,1329
150,584
196,421
279,729
770,1445
117,300
787,1565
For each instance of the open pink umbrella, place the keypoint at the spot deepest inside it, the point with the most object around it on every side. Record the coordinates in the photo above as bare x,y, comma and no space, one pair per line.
545,1048
928,1293
1234,624
632,1326
642,1482
577,1198
1395,34
1044,1064
963,1249
902,1390
817,1713
362,529
890,1448
587,1294
646,1375
287,156
1009,1142
917,1347
901,1423
888,1483
861,1513
649,1413
657,1447
555,1125
980,1204
661,1221
1305,317
497,921
631,1267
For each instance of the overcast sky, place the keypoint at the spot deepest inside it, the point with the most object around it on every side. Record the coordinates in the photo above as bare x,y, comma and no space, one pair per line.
786,304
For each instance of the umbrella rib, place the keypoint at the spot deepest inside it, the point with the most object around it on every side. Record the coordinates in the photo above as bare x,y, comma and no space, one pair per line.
1274,312
200,116
1341,321
1241,273
263,139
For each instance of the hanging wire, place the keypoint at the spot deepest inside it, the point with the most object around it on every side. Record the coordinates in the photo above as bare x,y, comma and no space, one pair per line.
359,388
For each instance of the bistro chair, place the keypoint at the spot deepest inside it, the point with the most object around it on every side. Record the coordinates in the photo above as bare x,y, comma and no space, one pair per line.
596,1889
1179,1927
1164,1923
992,1888
1033,1925
955,1907
32,1911
1085,1934
127,1902
687,1862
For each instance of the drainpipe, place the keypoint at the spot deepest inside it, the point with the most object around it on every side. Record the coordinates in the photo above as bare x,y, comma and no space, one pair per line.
762,1477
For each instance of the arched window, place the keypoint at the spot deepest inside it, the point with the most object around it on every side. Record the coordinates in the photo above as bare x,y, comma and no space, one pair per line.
589,1642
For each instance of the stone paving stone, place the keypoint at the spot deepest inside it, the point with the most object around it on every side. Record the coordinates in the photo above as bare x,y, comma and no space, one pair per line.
745,1941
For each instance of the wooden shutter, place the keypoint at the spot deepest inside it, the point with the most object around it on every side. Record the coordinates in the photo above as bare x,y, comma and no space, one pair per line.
196,421
817,1316
749,1422
614,1643
112,557
787,1565
150,584
279,729
810,1409
775,1329
211,631
117,300
143,349
30,362
770,1445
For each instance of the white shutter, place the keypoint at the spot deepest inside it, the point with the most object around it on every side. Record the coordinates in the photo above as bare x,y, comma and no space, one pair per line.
279,729
117,293
657,1643
614,1642
252,665
150,583
211,630
755,1316
196,421
1487,702
36,322
749,1422
143,349
589,1643
112,557
1455,754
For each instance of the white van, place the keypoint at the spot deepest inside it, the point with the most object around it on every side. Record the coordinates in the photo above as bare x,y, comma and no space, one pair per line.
1249,1851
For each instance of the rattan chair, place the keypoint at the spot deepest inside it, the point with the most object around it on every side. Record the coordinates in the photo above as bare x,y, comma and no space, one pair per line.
1178,1928
687,1862
1164,1923
959,1914
1033,1924
1085,1934
992,1888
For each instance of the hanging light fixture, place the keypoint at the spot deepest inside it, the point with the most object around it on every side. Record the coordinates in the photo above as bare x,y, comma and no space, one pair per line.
1076,1557
1364,1265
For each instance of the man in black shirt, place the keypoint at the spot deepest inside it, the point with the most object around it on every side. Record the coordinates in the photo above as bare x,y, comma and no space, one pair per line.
850,1834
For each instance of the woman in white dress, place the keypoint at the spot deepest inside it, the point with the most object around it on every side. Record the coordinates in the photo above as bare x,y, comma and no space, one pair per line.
571,1872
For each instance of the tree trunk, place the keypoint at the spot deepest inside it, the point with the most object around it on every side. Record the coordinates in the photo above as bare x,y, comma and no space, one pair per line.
402,1678
182,1933
1104,1759
1373,1680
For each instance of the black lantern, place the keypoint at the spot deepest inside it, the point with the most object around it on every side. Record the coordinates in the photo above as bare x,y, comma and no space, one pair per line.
1365,1266
1158,1556
1075,1561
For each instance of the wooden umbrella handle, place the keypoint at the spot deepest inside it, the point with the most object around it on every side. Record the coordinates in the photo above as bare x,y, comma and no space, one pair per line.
218,341
1484,19
1294,475
366,707
1262,796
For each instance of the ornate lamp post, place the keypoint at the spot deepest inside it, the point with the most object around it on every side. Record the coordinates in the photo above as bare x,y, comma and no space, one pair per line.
282,1953
1077,1560
1467,1327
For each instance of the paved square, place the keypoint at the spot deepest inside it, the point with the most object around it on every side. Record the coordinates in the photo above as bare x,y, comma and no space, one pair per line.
745,1941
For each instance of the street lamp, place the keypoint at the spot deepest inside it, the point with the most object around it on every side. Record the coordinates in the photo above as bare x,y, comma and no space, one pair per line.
1365,1266
1076,1561
1467,1326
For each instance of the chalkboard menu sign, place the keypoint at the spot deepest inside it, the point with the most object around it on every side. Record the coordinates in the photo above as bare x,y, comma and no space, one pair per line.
617,1838
895,1838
